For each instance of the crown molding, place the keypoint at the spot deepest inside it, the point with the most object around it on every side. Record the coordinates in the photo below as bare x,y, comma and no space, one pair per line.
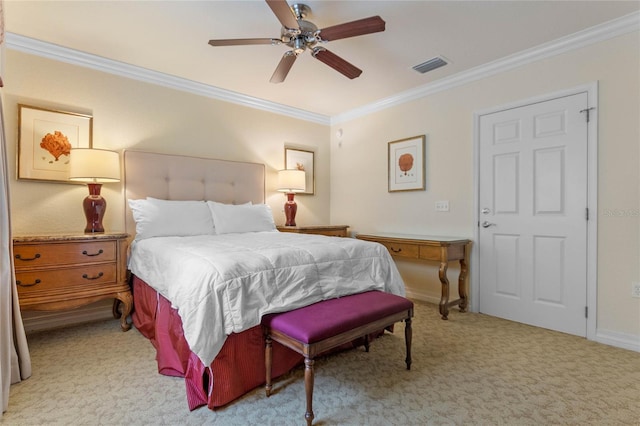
63,54
595,34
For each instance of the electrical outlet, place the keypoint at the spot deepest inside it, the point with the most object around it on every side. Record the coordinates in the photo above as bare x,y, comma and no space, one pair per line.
635,289
442,206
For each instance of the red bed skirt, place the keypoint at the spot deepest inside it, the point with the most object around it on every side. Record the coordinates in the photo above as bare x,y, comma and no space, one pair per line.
238,368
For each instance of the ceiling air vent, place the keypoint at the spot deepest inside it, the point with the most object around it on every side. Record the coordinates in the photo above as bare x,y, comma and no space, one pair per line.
430,65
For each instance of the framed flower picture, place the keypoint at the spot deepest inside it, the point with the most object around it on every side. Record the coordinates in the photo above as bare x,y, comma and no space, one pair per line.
302,160
406,164
45,139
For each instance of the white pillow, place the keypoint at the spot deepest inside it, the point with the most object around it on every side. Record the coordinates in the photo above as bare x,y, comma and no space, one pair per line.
170,218
229,218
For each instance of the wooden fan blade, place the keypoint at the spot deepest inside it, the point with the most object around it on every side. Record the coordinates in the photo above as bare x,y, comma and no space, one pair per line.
283,67
370,25
284,13
244,41
336,62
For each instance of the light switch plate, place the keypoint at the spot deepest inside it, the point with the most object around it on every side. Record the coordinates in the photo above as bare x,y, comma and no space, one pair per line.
442,206
635,289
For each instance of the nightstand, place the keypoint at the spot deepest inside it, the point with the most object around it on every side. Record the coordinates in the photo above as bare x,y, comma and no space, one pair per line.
58,272
330,230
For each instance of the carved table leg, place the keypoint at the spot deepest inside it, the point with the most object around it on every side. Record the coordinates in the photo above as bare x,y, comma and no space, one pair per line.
268,357
462,285
115,309
444,299
126,300
308,386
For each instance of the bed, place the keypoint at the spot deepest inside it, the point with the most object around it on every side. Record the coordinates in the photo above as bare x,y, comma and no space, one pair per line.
206,263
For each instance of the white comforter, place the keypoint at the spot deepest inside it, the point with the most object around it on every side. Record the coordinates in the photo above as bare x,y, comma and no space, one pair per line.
223,284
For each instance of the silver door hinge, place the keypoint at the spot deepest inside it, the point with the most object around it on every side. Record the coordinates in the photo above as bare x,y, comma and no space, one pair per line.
586,312
586,213
588,112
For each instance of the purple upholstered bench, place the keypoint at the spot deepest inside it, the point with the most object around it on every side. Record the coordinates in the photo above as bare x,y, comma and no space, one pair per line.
325,325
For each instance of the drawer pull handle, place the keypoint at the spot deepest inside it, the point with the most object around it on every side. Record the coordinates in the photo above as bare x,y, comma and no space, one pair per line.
87,277
18,282
94,254
395,250
37,256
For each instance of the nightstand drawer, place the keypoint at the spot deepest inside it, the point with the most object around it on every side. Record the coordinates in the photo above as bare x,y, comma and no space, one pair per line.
69,279
328,232
37,255
402,250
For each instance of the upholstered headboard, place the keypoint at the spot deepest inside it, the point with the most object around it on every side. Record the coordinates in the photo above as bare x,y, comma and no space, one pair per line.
178,177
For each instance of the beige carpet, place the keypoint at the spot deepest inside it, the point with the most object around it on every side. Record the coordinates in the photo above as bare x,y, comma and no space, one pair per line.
470,370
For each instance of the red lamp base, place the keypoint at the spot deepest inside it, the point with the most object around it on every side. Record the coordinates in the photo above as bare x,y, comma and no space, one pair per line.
290,209
94,208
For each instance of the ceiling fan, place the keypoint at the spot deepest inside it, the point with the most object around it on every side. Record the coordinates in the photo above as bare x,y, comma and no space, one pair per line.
300,35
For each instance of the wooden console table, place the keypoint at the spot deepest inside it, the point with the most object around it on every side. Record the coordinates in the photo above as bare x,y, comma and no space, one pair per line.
441,249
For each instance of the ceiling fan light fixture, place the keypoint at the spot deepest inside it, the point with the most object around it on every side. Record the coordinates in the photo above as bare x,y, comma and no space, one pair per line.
430,65
299,45
300,35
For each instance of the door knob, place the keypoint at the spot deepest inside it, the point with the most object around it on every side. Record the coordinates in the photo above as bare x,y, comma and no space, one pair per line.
486,224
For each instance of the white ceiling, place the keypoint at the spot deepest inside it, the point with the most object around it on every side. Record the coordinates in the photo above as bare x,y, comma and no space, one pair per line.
172,37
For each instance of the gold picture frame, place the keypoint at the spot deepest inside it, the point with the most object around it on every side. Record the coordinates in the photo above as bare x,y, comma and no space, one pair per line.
407,164
45,140
299,159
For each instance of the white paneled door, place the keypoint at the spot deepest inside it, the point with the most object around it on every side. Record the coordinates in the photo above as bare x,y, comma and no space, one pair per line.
533,217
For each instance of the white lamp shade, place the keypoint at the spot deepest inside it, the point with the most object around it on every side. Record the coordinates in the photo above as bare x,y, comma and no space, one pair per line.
291,180
94,165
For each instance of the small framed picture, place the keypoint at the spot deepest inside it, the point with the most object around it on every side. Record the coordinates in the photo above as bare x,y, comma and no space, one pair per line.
302,160
406,164
45,139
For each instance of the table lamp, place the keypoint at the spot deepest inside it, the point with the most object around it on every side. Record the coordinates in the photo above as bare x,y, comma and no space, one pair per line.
290,182
95,167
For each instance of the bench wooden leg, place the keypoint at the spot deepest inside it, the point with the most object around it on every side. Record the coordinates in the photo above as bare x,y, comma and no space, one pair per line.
308,387
268,354
408,334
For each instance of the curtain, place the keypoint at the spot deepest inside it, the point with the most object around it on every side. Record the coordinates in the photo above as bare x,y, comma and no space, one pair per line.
15,363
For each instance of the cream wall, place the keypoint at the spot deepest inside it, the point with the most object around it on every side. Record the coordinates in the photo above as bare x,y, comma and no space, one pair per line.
132,114
129,114
359,194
